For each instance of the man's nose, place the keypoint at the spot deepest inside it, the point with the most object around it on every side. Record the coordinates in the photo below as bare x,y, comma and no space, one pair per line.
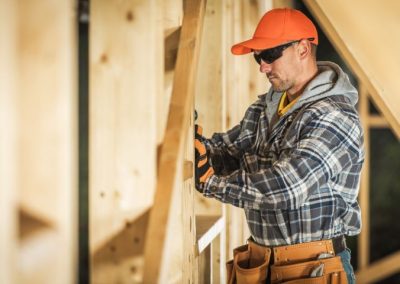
265,67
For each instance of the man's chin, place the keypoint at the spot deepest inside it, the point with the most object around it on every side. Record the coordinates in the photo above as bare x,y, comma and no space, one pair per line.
277,88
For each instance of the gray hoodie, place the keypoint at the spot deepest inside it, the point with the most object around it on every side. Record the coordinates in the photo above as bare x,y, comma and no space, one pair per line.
330,81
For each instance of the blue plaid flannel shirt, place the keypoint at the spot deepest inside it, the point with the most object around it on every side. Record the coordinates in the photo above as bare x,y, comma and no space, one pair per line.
297,180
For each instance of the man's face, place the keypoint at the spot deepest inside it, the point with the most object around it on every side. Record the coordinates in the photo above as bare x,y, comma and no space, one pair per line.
282,72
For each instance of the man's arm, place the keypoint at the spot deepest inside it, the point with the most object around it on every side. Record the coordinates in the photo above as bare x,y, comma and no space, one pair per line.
224,151
328,145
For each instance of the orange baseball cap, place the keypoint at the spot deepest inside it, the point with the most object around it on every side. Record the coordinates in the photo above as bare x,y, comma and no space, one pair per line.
277,27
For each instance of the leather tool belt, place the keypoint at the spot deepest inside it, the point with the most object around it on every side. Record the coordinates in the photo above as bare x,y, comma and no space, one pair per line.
312,262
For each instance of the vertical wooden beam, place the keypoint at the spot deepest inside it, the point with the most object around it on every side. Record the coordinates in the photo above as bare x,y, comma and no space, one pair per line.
171,158
363,243
47,162
282,3
208,98
257,83
188,213
8,153
217,273
126,70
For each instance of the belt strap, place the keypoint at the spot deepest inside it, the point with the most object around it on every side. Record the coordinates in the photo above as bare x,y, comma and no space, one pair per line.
339,244
307,251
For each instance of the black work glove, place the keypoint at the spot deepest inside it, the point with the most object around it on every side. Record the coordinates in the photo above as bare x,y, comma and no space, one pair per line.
203,169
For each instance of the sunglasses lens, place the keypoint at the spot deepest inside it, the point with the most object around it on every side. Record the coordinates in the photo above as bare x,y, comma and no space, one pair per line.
268,55
272,54
257,57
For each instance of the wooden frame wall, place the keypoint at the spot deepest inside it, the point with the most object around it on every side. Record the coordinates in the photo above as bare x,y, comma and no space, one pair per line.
159,236
185,233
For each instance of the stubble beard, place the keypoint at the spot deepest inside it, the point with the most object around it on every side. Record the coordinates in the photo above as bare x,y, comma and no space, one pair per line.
279,85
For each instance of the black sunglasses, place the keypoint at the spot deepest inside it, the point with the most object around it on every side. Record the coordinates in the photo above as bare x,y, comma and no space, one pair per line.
271,54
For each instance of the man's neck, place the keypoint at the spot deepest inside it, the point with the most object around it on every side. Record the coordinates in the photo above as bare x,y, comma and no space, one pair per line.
297,90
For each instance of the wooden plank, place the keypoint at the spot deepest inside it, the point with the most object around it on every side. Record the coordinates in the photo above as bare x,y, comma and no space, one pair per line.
230,118
380,269
173,143
376,70
207,229
172,20
187,170
282,3
217,275
47,146
208,98
205,273
126,79
378,121
363,243
189,262
8,151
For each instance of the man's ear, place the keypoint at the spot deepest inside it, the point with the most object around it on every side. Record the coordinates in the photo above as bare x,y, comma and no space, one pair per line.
304,48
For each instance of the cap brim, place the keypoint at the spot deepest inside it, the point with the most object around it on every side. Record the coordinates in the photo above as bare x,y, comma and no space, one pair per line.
255,44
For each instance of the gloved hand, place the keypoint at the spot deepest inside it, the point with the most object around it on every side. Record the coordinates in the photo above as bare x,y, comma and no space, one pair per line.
203,169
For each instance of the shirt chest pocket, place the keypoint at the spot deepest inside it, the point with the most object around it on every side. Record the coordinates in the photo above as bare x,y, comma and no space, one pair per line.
284,140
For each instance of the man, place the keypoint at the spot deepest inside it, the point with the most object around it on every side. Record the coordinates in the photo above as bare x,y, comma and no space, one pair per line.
293,163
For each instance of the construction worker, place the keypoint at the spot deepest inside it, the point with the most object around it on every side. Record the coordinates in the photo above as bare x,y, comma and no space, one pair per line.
293,163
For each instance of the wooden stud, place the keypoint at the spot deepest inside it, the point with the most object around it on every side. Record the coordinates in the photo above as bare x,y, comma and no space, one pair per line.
217,271
172,147
188,233
205,273
208,98
378,121
172,14
126,79
282,3
187,169
8,151
363,243
47,115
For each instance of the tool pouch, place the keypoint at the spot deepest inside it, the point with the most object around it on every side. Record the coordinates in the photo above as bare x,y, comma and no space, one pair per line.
249,264
332,272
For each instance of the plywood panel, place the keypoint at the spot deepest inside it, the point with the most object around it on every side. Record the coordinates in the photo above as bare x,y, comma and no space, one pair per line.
126,68
47,163
8,152
353,25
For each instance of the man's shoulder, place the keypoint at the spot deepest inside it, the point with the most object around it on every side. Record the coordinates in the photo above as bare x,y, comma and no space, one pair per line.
337,103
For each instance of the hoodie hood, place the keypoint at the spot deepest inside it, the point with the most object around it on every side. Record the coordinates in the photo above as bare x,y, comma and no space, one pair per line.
330,81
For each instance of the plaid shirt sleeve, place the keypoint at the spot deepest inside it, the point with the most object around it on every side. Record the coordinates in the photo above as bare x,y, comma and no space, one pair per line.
224,151
328,145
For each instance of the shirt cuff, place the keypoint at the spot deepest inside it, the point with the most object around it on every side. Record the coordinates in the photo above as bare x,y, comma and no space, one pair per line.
214,185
